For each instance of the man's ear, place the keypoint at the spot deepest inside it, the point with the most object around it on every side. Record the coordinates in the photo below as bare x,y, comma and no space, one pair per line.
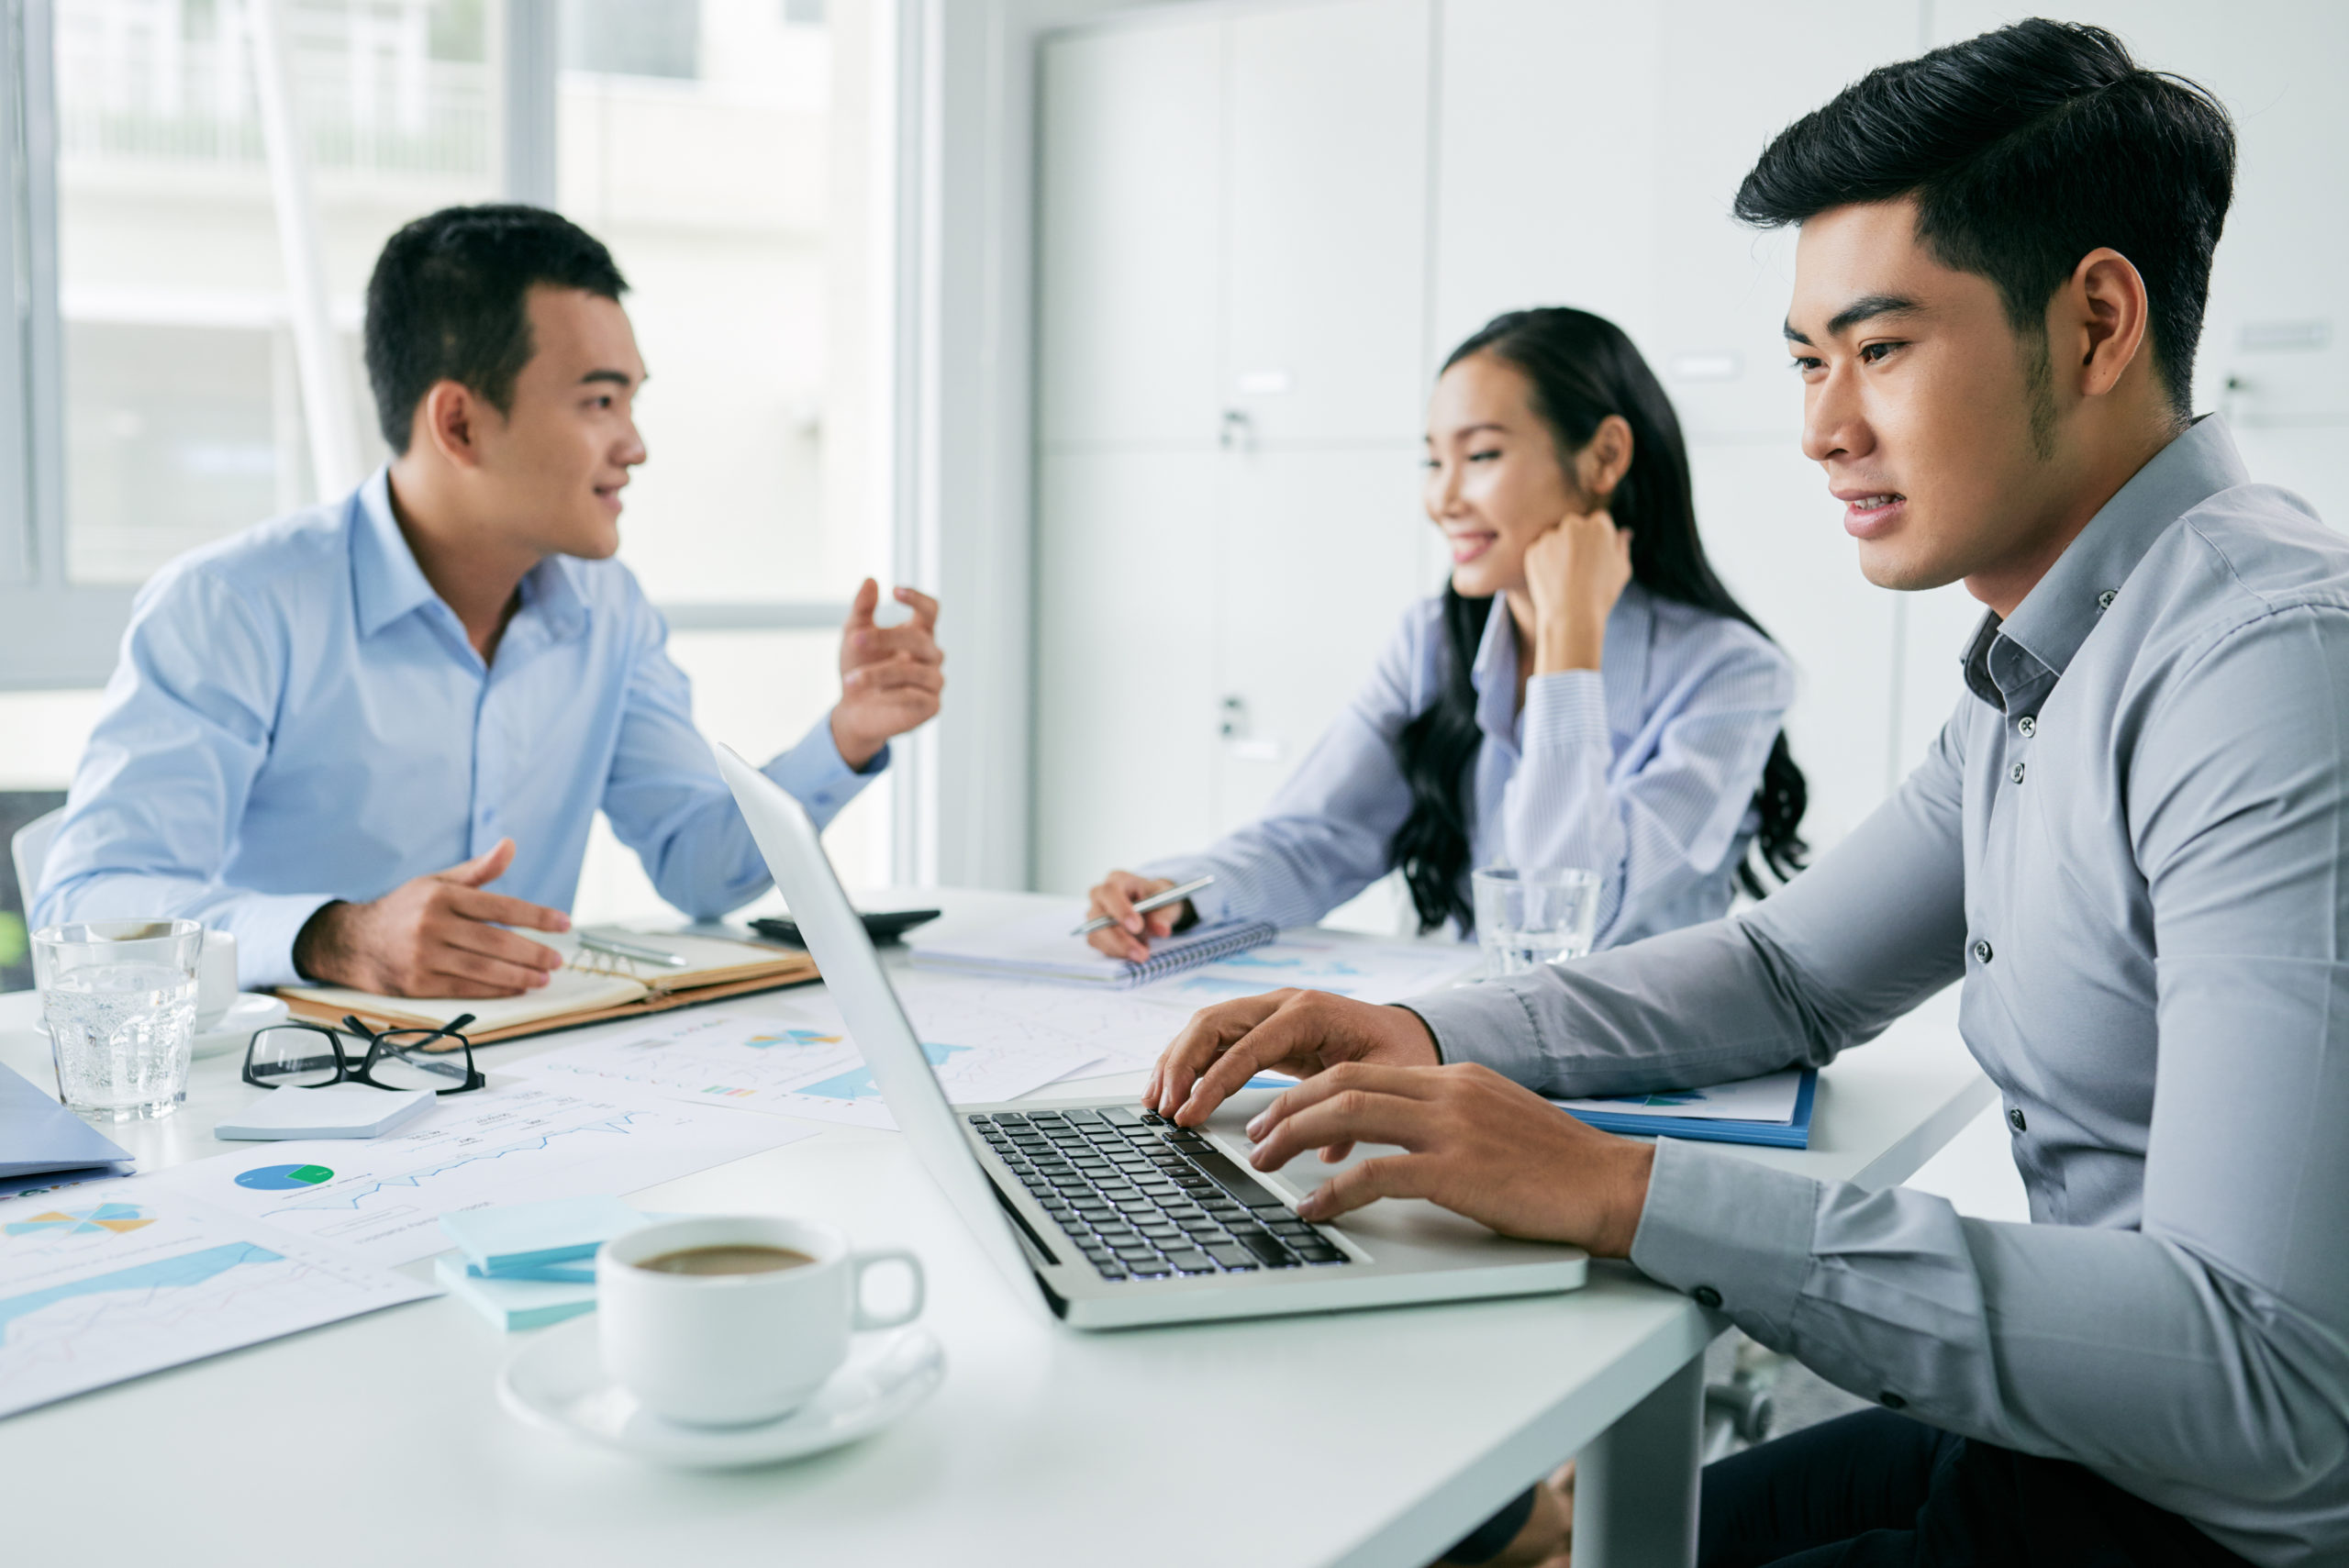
2102,313
452,418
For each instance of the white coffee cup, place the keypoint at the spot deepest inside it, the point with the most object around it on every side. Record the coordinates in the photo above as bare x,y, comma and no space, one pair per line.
215,979
728,1349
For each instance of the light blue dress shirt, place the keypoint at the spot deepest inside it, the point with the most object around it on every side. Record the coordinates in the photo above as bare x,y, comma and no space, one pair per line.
1642,771
298,717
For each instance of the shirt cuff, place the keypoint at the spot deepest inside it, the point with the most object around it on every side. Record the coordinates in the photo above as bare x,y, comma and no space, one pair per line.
265,925
1565,709
814,774
1731,1233
1488,1022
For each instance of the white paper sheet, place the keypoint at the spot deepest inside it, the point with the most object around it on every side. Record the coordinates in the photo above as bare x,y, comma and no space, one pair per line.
1364,968
793,1056
1770,1098
517,1141
133,1277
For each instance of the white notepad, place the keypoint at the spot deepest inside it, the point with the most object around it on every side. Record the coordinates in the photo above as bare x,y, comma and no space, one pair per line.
332,1110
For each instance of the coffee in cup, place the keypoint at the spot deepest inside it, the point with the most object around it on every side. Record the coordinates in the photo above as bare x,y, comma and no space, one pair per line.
727,1322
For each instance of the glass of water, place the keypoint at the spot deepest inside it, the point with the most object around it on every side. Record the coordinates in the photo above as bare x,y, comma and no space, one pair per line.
1525,919
119,997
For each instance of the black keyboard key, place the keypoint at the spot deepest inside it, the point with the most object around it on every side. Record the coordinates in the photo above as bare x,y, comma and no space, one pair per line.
1266,1251
1010,1116
1083,1115
1191,1261
1136,1254
1202,1227
1121,1116
1320,1253
1158,1230
1229,1256
1156,1268
1242,1187
1111,1271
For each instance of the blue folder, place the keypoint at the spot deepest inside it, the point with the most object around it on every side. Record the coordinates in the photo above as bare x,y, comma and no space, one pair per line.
1795,1134
37,1135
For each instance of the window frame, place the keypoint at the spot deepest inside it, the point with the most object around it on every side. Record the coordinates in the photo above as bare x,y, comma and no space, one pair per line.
56,634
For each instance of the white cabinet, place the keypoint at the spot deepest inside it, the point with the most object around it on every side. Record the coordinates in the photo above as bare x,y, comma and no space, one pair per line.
1327,203
1232,239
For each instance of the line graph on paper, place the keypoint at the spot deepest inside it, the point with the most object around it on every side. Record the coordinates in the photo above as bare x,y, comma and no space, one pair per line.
514,1142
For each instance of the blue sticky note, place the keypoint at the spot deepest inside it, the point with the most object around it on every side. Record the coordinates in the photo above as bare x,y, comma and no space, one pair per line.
513,1304
530,1235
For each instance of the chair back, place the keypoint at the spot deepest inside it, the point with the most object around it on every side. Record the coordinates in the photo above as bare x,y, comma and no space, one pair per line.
29,849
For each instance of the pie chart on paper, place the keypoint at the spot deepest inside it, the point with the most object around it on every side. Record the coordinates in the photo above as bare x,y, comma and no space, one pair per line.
284,1178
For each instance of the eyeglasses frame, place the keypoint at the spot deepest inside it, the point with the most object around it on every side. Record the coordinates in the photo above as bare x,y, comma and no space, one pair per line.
364,1072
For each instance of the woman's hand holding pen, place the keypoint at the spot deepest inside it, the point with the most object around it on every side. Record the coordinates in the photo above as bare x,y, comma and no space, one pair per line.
1573,574
1130,936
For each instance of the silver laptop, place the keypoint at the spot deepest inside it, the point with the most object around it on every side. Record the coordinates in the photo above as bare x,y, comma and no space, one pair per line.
1117,1217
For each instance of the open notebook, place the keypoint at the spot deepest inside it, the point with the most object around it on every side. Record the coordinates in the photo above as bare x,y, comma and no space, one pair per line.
590,988
1039,947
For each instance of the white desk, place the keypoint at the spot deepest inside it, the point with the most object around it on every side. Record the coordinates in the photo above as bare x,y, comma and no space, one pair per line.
1361,1439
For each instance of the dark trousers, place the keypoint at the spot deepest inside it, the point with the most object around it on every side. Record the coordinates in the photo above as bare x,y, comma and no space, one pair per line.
1877,1490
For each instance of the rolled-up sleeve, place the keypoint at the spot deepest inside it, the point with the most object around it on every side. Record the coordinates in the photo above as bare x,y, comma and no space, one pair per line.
149,820
667,801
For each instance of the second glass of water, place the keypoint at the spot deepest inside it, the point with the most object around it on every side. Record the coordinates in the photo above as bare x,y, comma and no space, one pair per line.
1525,919
119,999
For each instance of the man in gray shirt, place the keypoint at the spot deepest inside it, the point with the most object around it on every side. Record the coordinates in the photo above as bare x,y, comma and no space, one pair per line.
2127,844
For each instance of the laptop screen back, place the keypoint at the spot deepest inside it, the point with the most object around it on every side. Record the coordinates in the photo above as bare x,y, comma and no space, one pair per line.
858,985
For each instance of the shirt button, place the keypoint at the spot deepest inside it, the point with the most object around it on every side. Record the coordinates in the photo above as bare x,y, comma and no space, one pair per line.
1981,953
2016,772
2014,1117
1706,1296
2104,600
2027,726
1891,1401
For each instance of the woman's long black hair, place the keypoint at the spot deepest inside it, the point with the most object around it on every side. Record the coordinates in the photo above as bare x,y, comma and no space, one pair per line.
1581,368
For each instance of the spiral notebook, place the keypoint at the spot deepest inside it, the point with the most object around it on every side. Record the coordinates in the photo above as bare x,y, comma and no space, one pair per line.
1041,949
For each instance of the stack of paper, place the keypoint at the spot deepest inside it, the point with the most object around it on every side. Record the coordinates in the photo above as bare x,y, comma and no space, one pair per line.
1039,947
1774,1109
528,1264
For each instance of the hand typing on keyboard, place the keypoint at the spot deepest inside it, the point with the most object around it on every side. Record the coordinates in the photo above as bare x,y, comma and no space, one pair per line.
1473,1141
1297,1032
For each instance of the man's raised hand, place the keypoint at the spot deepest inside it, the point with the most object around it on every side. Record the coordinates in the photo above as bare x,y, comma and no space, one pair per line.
892,678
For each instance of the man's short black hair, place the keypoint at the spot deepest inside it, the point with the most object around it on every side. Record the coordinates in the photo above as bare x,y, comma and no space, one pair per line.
446,302
2025,149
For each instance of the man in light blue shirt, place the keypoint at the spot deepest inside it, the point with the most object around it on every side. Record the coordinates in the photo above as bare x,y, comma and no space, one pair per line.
329,734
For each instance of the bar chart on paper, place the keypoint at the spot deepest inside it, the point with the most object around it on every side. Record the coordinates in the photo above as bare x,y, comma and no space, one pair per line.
91,1292
383,1198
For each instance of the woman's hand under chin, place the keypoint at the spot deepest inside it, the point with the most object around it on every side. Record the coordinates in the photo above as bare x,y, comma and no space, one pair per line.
1574,574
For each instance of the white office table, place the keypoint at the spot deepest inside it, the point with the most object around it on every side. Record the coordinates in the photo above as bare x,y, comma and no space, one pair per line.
1371,1438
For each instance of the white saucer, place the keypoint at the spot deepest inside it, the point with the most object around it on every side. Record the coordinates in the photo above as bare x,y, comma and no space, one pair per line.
557,1381
246,1014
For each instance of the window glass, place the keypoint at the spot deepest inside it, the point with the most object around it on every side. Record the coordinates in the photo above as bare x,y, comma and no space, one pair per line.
182,410
698,141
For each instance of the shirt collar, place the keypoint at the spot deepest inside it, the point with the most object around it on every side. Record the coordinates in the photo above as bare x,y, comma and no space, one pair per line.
2031,648
387,583
1494,674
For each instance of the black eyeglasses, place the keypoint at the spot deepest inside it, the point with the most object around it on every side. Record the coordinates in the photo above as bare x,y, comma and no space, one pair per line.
306,1056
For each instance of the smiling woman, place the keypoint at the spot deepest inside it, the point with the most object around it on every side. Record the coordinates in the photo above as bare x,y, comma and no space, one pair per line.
1622,717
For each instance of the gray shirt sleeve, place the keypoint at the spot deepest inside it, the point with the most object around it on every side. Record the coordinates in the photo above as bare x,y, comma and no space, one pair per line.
2200,1360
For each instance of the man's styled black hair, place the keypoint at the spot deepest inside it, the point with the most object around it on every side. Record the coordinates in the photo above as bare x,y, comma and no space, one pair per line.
2025,149
446,302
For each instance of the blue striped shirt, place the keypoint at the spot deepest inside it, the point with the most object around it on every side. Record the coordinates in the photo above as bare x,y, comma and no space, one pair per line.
1642,771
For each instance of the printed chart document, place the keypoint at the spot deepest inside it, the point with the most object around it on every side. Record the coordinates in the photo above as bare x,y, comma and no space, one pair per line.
95,1290
512,1143
1367,969
793,1056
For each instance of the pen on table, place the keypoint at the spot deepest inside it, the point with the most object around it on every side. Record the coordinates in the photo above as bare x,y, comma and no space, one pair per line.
618,949
1155,901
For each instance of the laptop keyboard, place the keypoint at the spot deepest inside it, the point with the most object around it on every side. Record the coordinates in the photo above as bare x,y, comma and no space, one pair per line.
1142,1198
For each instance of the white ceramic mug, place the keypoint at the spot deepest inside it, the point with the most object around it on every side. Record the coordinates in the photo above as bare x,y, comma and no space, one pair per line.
732,1350
215,979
